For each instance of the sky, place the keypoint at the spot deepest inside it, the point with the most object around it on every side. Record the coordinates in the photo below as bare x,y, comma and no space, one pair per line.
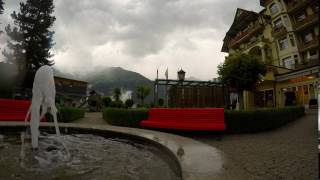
140,35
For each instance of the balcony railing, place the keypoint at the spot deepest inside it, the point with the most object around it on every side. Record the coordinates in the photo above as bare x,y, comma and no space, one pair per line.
310,45
295,5
308,63
279,31
245,35
310,20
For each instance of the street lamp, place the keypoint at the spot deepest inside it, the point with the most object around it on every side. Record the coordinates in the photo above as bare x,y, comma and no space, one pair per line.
181,75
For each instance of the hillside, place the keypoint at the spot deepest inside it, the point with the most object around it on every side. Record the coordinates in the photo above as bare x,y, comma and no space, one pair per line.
106,79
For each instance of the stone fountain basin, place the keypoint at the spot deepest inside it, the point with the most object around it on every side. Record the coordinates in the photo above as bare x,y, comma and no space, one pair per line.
194,160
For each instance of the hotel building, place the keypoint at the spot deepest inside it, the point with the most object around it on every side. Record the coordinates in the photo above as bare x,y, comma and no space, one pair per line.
285,34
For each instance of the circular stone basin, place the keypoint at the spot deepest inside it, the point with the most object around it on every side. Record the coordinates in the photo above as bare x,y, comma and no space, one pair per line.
84,156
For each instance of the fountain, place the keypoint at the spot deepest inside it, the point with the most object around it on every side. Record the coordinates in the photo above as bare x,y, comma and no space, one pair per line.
87,151
43,95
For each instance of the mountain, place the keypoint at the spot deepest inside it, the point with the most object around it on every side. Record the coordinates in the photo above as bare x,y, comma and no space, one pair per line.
106,79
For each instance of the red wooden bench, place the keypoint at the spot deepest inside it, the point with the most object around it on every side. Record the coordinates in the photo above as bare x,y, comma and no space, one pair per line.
14,110
186,119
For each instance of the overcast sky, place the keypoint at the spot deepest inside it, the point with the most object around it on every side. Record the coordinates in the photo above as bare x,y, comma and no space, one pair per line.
140,35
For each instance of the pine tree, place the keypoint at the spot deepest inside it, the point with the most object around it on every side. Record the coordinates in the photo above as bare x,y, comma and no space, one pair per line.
1,6
31,37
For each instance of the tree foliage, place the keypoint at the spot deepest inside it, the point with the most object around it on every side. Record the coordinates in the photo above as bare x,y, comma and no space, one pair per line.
116,94
1,6
31,37
143,92
129,103
241,71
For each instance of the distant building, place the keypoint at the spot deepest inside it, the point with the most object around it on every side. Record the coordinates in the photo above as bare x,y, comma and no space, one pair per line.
286,36
70,92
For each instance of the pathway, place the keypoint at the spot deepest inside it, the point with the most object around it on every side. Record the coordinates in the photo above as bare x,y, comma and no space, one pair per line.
92,118
286,153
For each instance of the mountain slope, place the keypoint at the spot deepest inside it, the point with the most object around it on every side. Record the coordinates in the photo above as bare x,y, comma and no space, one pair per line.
106,79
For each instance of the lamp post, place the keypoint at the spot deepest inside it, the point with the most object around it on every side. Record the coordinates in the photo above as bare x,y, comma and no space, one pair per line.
181,76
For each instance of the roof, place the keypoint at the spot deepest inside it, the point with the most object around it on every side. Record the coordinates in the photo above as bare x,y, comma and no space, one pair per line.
84,82
187,83
241,20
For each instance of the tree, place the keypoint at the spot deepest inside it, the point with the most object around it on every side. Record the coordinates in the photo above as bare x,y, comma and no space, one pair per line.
1,6
129,103
106,101
143,92
31,37
116,94
241,71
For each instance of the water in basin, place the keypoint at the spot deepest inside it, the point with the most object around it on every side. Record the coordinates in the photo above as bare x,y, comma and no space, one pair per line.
83,156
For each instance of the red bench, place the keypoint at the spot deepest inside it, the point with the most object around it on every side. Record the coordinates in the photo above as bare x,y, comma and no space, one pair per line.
14,110
186,119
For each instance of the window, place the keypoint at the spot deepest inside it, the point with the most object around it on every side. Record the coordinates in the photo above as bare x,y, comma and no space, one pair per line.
312,52
286,21
291,39
283,43
288,62
300,17
307,37
274,8
277,23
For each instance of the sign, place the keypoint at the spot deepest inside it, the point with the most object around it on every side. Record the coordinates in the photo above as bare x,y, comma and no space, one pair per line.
301,79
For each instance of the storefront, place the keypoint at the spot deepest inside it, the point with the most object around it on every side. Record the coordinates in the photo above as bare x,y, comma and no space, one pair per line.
298,88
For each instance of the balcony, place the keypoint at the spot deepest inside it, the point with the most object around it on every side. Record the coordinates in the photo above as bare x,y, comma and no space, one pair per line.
309,63
279,31
310,45
295,5
245,35
310,20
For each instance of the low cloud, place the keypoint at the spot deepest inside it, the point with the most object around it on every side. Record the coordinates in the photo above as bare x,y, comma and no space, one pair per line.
141,35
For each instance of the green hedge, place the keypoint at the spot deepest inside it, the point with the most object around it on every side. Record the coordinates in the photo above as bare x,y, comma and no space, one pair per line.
261,119
236,121
68,114
125,117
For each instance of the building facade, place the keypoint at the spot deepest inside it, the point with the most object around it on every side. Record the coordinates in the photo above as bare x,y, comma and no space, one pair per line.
285,34
70,92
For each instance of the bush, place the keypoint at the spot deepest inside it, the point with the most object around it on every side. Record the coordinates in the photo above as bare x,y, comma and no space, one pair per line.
106,101
129,103
68,114
261,119
125,117
116,104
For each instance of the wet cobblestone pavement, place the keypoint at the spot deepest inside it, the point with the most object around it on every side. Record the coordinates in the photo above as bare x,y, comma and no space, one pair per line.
289,152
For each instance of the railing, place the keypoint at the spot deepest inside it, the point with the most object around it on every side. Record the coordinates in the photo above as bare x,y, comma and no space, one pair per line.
312,19
279,31
245,35
309,45
296,5
308,63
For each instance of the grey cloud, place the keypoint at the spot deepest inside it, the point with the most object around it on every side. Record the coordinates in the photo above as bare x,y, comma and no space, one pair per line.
143,27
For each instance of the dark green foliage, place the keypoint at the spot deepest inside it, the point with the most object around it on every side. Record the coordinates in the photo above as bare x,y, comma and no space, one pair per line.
125,117
117,104
31,39
1,6
143,92
129,103
117,94
160,102
241,71
261,119
69,114
106,101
